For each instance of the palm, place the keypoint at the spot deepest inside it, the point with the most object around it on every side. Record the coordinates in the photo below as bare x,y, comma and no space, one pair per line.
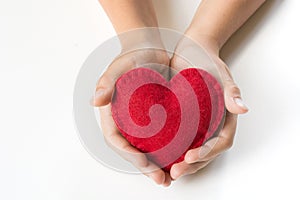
213,147
114,139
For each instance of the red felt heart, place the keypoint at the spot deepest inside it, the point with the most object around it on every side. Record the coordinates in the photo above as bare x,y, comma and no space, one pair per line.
164,118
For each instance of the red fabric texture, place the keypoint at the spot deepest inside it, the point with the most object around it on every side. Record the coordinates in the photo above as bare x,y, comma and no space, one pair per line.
164,119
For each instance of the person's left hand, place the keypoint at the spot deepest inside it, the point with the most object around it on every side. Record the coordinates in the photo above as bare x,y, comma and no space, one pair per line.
188,53
103,97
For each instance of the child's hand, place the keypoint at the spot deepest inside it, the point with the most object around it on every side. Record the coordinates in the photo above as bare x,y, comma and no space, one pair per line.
216,19
198,158
103,97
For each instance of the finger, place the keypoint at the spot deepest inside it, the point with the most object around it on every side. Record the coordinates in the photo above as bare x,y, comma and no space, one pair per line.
180,169
168,180
106,83
195,167
155,173
233,99
104,89
216,145
179,63
117,142
128,152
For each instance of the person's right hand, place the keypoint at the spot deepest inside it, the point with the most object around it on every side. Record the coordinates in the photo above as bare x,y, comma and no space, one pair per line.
202,53
102,99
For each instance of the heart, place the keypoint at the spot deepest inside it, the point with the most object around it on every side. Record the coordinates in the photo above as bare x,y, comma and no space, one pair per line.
164,119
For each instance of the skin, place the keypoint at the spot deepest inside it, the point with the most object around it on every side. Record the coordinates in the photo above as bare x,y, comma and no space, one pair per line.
213,24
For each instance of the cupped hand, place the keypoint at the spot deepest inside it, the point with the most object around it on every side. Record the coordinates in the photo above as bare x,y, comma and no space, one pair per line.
102,99
190,53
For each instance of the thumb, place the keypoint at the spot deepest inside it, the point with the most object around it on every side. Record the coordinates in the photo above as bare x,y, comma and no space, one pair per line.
104,90
233,100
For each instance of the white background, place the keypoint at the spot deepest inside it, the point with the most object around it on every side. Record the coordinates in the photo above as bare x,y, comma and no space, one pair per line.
42,47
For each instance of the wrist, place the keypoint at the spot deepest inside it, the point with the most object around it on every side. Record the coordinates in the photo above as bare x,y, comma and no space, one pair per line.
207,41
140,38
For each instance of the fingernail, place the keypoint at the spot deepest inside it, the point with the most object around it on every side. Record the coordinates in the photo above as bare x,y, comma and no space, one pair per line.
177,176
98,94
189,159
240,103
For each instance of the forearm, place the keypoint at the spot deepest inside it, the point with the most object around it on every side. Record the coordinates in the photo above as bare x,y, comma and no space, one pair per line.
127,15
216,20
130,14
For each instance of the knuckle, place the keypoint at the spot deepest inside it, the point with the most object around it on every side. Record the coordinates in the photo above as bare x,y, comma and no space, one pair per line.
109,135
104,81
222,66
194,170
110,144
107,140
159,177
228,143
174,61
179,61
232,89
